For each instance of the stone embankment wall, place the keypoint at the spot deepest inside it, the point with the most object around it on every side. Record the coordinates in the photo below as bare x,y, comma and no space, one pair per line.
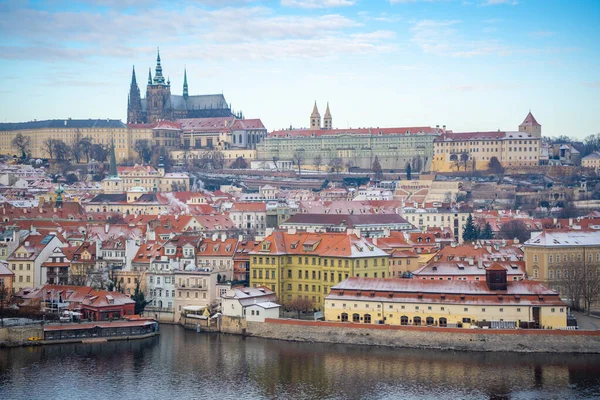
235,325
523,341
19,335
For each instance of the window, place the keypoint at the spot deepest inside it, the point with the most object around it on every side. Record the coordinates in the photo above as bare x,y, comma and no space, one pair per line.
501,309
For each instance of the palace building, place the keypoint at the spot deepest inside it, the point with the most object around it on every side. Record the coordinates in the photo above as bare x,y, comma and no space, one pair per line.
161,104
495,303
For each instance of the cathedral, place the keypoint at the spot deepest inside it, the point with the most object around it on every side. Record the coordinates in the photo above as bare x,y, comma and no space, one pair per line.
161,104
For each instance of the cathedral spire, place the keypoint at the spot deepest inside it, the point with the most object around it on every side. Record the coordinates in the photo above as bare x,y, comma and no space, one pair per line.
185,85
149,76
159,79
315,118
327,120
134,101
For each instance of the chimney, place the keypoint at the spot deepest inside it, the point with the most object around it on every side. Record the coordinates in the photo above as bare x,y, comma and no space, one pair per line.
291,231
106,227
480,263
223,238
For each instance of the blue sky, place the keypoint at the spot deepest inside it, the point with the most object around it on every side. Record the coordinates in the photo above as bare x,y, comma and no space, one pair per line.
470,65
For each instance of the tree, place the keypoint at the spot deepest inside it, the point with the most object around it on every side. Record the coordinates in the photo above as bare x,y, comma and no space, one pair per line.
464,159
298,159
98,152
336,164
514,229
495,167
48,147
299,305
455,161
408,172
317,162
79,147
376,168
580,283
239,163
72,178
61,150
5,297
487,233
417,163
144,150
592,144
23,144
470,232
86,147
140,301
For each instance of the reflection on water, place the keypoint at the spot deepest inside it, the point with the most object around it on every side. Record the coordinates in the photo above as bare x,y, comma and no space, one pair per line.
184,364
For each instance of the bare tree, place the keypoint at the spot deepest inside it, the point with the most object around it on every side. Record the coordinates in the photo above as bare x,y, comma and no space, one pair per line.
61,150
299,305
317,162
337,163
5,297
514,229
455,161
48,147
580,283
144,150
298,159
464,159
23,144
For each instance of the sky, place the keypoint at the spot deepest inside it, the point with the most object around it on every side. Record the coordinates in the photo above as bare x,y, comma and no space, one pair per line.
472,65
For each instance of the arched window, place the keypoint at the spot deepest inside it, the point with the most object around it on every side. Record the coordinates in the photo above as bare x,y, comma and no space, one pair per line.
404,320
355,318
344,317
417,321
443,322
429,320
367,318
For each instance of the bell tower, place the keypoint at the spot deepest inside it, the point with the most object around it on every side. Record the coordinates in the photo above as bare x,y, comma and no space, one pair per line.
158,95
315,118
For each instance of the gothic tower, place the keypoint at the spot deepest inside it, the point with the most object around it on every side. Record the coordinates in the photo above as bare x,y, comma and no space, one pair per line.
185,86
327,122
315,118
134,102
158,95
531,126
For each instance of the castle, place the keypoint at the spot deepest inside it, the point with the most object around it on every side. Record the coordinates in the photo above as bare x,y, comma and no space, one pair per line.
161,104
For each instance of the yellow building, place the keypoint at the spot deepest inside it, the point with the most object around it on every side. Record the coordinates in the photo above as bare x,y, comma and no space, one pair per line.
550,254
474,150
592,161
148,178
306,265
99,131
463,304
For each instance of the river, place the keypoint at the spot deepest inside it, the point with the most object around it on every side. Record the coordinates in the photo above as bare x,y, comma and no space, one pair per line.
182,364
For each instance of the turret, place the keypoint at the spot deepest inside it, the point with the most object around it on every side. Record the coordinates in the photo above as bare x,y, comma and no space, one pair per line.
315,118
531,126
327,121
149,76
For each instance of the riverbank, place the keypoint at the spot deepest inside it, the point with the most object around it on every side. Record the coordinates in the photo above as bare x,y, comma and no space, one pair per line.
456,339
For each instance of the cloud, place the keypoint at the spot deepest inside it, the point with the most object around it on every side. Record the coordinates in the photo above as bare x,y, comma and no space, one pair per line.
443,38
541,34
479,87
499,2
317,3
193,31
592,84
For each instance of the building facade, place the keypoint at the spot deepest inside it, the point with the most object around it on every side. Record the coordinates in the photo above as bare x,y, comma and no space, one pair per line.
394,147
460,304
306,265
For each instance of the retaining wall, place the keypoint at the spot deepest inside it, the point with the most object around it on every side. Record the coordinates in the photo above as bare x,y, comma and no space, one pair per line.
524,341
19,335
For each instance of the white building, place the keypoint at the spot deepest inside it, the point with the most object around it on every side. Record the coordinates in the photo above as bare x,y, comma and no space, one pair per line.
237,302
